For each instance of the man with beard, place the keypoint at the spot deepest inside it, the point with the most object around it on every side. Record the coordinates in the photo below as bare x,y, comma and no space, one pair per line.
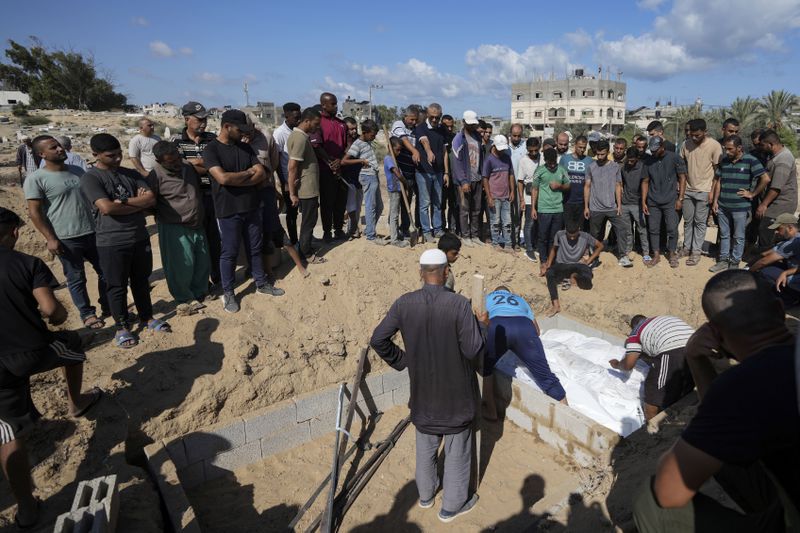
329,143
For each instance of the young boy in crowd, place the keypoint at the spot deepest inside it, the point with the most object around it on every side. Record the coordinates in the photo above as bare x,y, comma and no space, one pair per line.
361,153
119,197
498,184
550,182
355,192
393,179
451,246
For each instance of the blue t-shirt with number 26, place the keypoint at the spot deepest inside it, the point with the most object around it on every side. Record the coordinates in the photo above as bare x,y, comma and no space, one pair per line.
505,303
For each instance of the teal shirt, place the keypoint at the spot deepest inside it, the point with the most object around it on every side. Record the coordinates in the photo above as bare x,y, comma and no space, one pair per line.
733,177
66,207
550,201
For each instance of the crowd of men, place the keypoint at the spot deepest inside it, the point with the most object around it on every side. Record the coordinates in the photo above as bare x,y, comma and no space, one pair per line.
558,201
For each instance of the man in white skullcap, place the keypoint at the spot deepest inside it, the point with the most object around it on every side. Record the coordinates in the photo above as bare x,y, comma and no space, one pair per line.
442,338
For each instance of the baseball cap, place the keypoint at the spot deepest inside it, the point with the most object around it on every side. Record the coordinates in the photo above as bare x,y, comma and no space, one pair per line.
433,257
194,108
594,136
8,216
470,117
783,218
500,142
655,144
237,118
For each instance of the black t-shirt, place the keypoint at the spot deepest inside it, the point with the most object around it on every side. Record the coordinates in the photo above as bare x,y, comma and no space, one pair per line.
436,141
750,413
115,230
23,329
663,173
236,157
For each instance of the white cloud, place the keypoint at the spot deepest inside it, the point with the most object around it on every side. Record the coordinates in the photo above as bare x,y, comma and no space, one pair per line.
185,50
650,57
650,4
210,77
140,21
160,48
493,67
579,39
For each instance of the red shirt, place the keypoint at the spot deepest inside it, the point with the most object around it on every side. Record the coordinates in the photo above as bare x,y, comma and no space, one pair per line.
331,136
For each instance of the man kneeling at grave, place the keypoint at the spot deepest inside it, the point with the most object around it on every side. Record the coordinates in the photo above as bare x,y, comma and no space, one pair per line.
660,342
512,326
746,433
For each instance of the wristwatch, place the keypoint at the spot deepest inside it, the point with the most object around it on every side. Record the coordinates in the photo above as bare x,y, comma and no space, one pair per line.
123,200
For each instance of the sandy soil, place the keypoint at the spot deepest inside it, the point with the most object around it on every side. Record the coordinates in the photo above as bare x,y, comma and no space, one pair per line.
516,492
215,366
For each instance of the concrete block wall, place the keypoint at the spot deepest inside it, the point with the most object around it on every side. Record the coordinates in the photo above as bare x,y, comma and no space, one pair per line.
212,452
94,508
582,439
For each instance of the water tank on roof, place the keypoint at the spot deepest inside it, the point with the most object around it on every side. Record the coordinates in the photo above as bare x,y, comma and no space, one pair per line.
579,72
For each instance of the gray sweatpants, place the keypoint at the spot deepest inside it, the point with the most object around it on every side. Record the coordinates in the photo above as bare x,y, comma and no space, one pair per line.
394,214
457,457
695,220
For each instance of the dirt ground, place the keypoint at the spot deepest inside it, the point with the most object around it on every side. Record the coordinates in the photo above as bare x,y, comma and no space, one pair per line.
215,366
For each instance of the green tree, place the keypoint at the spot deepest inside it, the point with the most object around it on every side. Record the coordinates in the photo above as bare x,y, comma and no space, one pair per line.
746,111
776,107
58,79
714,119
386,115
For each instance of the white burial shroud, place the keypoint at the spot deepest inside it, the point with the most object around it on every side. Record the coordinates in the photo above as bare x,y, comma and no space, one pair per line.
607,396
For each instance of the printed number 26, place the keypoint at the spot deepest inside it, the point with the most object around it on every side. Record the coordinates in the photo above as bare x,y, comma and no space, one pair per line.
500,299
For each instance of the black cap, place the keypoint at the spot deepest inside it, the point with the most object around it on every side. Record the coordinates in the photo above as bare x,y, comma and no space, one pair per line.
8,216
237,118
194,108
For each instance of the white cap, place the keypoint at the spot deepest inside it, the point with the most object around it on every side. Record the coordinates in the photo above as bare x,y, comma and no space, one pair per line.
433,257
500,142
470,117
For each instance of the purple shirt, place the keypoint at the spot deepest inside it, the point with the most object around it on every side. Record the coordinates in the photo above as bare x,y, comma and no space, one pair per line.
497,170
331,136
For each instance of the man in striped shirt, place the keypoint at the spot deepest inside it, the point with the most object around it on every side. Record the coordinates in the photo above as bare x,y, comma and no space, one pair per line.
660,342
740,177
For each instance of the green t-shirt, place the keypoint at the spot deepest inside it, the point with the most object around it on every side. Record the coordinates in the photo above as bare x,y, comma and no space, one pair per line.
550,201
66,207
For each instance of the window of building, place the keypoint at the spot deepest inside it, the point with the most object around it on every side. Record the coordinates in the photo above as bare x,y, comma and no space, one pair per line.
520,114
572,93
588,93
552,112
538,95
602,93
610,94
519,97
537,114
587,113
620,96
610,113
619,114
558,95
12,102
572,112
601,113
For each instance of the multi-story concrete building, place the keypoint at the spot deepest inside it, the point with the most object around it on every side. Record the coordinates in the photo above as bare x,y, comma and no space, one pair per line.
596,101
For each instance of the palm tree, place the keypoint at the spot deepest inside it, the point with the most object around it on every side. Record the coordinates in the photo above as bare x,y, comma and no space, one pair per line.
673,125
715,117
746,111
776,106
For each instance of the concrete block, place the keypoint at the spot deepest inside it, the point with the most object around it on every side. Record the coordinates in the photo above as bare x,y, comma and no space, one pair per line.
100,499
271,420
392,379
571,423
229,461
537,404
519,418
76,521
377,404
192,475
180,511
401,395
286,439
316,403
582,456
324,424
371,386
553,439
603,440
177,452
211,441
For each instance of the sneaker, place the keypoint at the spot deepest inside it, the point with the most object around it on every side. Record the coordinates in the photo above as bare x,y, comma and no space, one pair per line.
427,504
229,303
646,258
438,234
430,238
530,254
400,244
625,262
733,265
270,290
379,242
449,516
466,241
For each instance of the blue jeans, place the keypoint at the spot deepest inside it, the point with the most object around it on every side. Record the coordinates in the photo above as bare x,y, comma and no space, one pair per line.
737,219
76,252
500,218
373,205
247,226
429,187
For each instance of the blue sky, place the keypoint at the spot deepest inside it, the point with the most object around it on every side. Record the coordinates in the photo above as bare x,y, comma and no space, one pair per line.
461,54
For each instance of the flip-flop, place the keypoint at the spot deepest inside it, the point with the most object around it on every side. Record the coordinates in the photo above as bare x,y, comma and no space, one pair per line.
316,260
196,305
566,285
125,339
23,527
94,322
156,324
98,395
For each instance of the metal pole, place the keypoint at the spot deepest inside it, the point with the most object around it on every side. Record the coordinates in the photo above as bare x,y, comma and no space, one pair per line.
335,466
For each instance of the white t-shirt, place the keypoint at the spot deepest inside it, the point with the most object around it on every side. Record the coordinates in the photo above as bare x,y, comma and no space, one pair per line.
281,135
142,147
527,168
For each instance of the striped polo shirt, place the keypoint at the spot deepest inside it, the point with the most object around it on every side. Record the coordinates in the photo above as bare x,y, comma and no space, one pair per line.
734,176
191,150
659,334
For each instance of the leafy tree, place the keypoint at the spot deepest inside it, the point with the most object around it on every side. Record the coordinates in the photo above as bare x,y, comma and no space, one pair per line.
776,107
58,79
746,111
385,114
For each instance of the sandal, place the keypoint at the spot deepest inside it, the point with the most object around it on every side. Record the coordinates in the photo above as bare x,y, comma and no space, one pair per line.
97,395
673,261
155,324
23,527
653,262
565,285
125,339
693,260
196,305
94,322
316,260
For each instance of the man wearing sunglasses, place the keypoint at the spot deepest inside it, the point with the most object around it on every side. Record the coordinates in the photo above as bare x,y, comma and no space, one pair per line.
430,174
